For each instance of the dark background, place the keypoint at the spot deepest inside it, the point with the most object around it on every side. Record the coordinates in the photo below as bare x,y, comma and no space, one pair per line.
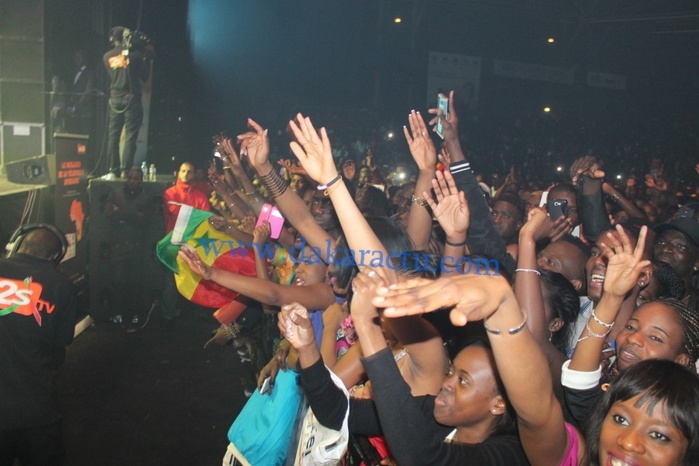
221,61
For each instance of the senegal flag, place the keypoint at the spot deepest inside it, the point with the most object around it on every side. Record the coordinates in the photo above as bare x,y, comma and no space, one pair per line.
214,247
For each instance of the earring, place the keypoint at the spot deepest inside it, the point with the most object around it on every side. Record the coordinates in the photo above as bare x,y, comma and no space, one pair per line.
550,336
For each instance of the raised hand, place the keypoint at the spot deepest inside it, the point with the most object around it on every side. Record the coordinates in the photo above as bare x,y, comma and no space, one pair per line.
262,233
248,224
473,296
232,156
364,287
295,324
313,150
420,143
450,124
625,263
194,262
586,166
255,145
539,225
451,208
444,157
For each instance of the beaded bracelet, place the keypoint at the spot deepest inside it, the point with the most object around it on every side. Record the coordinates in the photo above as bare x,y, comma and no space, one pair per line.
603,324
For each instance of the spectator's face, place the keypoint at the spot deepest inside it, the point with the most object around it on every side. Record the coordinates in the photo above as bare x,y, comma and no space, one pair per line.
596,268
675,249
323,211
298,184
506,219
631,431
134,179
651,213
533,200
186,173
654,331
311,269
566,259
468,394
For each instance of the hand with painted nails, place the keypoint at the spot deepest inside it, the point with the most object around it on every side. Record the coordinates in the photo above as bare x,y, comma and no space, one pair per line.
295,324
472,296
313,150
255,145
421,146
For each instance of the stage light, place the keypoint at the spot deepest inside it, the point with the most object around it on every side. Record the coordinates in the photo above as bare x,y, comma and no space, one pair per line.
547,109
618,177
551,40
389,136
397,20
559,168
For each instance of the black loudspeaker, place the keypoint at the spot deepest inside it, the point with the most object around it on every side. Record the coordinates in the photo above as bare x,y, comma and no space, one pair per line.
105,252
40,170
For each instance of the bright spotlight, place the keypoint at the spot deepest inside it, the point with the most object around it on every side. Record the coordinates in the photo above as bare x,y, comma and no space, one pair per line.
547,109
618,177
551,40
397,20
559,168
390,135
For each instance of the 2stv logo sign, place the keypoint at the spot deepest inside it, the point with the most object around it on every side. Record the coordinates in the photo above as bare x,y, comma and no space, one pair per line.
22,297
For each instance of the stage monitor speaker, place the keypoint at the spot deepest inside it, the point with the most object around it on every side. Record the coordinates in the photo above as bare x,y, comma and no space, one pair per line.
19,140
39,170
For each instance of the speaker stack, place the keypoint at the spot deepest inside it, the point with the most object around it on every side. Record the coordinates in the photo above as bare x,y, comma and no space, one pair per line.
22,102
104,252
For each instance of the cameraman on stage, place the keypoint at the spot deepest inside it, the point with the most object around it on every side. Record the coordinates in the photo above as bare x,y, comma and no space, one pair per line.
128,64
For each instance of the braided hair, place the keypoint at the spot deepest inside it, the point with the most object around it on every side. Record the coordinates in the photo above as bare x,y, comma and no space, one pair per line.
690,324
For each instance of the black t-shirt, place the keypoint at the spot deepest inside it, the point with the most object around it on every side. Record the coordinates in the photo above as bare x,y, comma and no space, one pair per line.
126,71
37,321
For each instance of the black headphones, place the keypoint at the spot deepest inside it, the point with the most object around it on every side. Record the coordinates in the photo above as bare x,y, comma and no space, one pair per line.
19,234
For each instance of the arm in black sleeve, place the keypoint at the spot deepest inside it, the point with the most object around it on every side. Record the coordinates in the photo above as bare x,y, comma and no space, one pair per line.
579,403
413,435
482,237
592,213
329,403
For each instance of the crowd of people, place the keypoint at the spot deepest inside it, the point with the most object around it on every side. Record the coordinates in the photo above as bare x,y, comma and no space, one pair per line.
425,317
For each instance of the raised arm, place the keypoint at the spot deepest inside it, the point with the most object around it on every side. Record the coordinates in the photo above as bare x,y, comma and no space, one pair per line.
520,361
313,151
255,145
425,155
317,296
625,265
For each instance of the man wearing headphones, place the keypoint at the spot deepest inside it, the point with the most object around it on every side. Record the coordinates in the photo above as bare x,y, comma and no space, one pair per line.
37,320
128,67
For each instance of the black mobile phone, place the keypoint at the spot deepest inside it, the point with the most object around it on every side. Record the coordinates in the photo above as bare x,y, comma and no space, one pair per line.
557,208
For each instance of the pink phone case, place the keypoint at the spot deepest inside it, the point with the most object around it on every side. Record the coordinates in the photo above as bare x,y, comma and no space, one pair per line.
274,217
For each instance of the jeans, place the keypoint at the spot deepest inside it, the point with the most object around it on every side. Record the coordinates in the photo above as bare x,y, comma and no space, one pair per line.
124,112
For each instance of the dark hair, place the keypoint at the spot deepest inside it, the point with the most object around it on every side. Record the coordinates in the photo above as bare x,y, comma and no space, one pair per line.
582,247
514,200
563,299
373,202
655,381
690,325
507,423
562,188
670,282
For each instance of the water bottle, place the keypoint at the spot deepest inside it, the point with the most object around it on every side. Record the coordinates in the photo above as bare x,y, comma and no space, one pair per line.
144,169
151,172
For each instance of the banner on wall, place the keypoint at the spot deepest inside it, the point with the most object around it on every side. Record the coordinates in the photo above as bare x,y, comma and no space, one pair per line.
552,74
460,73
